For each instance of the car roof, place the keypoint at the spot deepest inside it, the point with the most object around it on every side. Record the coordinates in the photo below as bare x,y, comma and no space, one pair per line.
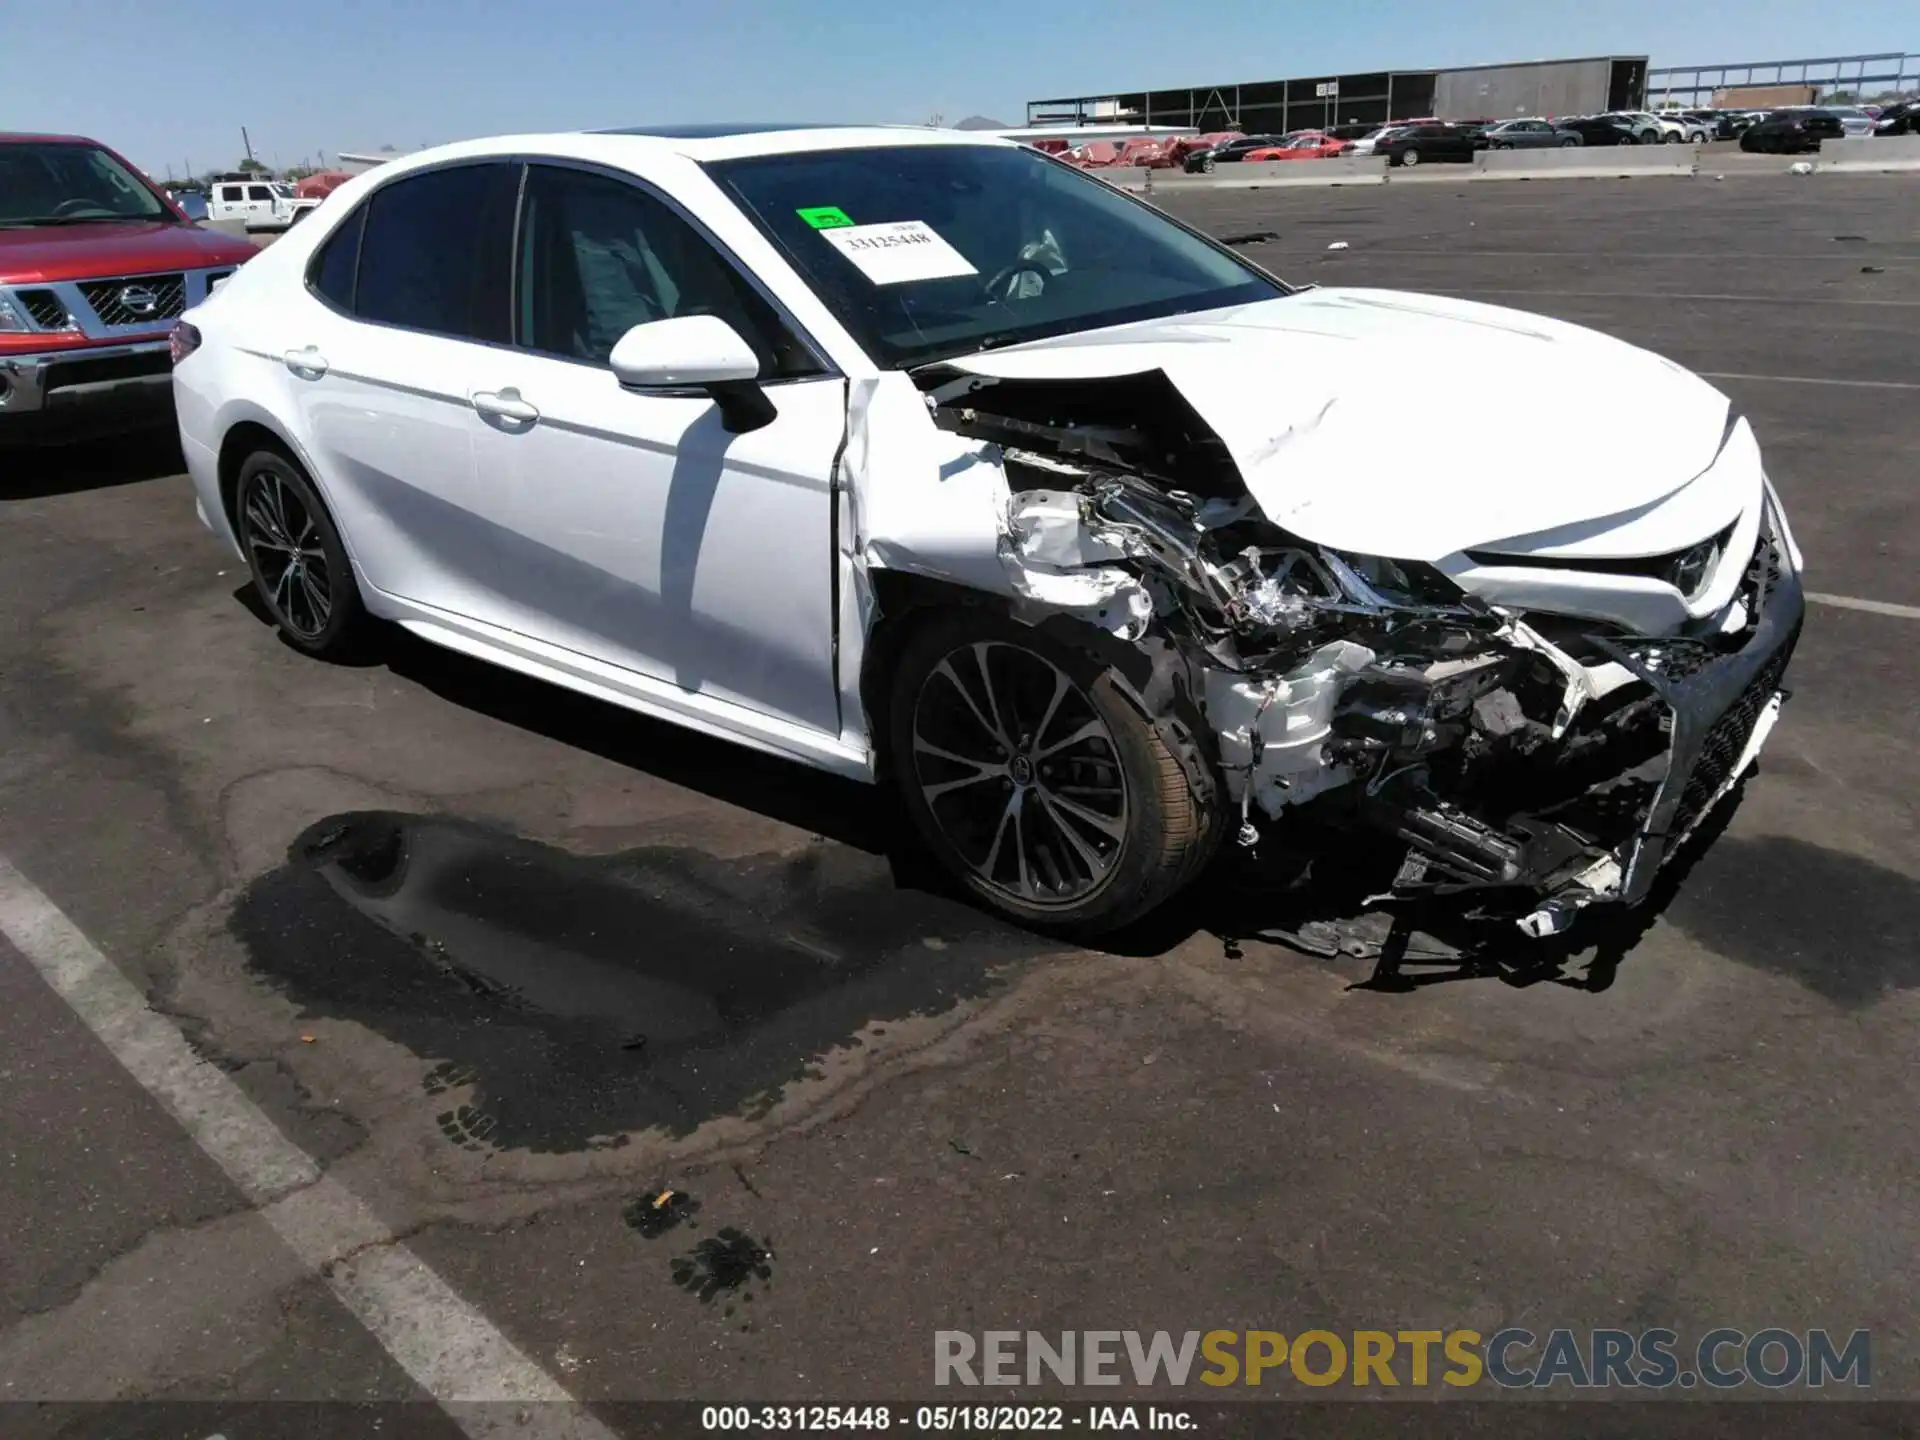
723,141
698,143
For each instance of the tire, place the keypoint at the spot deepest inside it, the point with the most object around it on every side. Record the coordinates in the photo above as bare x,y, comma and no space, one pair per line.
294,553
1568,144
1208,165
1410,157
1672,139
993,818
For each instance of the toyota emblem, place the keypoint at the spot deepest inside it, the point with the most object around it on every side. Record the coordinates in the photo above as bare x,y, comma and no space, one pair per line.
140,299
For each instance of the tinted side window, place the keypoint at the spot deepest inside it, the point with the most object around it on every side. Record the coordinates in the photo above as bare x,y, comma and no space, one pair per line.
599,256
259,192
331,273
435,253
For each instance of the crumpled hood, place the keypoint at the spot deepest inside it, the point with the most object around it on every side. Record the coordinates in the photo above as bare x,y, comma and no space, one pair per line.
1415,426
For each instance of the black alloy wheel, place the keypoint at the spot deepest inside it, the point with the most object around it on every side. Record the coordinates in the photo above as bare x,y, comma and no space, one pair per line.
299,565
1038,786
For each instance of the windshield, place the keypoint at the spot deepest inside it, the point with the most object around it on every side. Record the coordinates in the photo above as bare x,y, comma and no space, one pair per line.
928,251
59,183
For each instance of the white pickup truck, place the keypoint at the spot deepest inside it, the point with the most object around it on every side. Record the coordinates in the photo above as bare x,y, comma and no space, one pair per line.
259,204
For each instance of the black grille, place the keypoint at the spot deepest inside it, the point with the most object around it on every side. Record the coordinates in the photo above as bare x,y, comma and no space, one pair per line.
137,299
66,373
45,308
1727,740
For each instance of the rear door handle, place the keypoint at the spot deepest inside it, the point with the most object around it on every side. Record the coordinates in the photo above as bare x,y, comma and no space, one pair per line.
504,405
308,364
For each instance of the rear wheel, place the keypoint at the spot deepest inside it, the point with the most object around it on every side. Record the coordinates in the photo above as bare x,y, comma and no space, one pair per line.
1035,782
1568,143
299,565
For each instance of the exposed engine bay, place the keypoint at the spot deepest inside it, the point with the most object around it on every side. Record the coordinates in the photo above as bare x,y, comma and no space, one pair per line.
1554,759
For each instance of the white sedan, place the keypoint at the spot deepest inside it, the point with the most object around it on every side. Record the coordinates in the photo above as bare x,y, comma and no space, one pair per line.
931,461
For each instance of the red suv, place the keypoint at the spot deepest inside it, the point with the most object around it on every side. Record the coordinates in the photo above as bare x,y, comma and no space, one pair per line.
96,264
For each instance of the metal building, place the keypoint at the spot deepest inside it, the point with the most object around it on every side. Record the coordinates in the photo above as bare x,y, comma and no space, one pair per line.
1540,87
1892,71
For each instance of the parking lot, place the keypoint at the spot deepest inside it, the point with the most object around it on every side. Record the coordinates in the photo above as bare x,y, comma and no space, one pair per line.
906,1117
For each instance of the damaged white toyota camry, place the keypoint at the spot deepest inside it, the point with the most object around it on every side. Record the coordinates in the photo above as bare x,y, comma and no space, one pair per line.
929,460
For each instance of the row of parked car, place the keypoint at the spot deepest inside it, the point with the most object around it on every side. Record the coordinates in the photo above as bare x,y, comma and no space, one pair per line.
1790,130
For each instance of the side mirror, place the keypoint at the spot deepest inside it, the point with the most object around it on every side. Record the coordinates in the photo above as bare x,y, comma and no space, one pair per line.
696,351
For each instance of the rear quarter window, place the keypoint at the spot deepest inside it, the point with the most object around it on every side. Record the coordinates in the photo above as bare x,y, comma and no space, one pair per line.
331,274
436,252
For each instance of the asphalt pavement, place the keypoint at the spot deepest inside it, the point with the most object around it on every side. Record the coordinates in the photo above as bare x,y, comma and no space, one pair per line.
882,1114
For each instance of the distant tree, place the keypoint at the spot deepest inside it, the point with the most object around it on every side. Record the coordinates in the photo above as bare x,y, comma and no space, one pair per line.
252,166
1843,97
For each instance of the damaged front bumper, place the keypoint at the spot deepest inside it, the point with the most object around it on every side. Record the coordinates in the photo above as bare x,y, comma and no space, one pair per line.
1713,702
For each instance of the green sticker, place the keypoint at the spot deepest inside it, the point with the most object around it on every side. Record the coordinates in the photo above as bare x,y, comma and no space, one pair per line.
825,217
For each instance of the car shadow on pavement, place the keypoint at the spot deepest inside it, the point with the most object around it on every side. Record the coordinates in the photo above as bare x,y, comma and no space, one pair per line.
828,805
30,472
1313,902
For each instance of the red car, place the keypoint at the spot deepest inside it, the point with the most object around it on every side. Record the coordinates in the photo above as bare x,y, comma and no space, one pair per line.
1306,145
96,263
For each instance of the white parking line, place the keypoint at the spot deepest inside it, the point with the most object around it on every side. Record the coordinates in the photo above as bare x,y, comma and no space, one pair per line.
1872,607
449,1348
1812,380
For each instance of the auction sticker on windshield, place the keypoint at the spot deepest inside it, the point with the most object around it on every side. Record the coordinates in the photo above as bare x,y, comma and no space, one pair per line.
897,252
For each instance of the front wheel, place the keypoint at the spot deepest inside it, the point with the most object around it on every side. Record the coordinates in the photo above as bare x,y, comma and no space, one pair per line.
1411,157
1034,781
299,565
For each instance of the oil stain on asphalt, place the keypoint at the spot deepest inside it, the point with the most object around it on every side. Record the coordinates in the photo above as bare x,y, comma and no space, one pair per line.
585,997
724,1263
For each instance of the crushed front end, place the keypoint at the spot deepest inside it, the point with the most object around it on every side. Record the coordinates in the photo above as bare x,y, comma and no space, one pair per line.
1554,758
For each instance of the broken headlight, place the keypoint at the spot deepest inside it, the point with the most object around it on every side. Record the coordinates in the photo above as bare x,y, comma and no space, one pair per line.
1408,584
1690,571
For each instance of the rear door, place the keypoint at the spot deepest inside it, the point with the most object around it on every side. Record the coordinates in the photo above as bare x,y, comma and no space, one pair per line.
404,301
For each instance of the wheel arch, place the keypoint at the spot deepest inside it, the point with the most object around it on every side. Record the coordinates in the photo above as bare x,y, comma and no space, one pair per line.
250,428
1154,676
903,602
242,439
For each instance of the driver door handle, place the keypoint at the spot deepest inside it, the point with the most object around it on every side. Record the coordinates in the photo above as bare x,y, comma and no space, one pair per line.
504,405
308,364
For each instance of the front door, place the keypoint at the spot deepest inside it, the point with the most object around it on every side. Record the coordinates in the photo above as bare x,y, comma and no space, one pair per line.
644,533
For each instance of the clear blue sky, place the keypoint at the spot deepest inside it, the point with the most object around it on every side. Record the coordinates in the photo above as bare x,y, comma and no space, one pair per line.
166,81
